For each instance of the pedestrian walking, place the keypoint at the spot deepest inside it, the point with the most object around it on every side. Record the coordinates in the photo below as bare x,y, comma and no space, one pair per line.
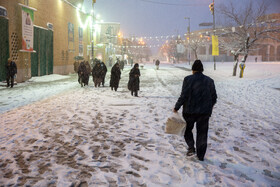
122,64
104,72
134,81
131,62
76,66
115,77
97,74
198,98
11,72
157,64
83,74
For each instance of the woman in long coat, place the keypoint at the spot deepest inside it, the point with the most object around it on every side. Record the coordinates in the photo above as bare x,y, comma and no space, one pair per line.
134,81
115,77
83,74
97,74
104,71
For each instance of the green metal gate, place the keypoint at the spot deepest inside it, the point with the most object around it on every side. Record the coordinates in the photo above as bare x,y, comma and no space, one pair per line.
35,56
42,60
4,46
49,46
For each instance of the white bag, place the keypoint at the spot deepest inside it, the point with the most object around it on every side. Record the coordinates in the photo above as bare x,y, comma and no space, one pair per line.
175,125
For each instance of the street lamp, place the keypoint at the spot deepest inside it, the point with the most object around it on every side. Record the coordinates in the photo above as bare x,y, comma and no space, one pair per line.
92,30
189,32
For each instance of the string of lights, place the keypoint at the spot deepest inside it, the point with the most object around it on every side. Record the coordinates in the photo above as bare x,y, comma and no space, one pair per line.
205,33
171,4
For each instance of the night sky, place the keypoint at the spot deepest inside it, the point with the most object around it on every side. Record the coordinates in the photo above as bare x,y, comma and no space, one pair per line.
145,18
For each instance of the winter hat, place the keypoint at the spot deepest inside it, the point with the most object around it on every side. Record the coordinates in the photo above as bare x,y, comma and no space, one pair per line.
197,66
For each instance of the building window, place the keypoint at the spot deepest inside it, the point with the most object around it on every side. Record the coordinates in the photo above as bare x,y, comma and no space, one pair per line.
26,2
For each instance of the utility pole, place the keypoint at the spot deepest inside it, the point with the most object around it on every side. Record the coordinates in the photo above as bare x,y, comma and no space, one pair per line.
214,31
212,9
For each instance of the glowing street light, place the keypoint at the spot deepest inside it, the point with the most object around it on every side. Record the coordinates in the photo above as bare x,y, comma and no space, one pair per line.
120,35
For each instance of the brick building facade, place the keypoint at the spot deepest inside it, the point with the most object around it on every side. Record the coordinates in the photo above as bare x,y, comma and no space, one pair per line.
54,44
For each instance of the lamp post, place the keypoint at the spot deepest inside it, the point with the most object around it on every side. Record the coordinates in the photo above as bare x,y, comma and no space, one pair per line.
92,30
189,33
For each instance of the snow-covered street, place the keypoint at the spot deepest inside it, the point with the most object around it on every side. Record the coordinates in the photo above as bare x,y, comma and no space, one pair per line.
56,133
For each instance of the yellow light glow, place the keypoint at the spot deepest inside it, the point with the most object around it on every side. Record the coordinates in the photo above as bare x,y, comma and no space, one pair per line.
88,20
120,35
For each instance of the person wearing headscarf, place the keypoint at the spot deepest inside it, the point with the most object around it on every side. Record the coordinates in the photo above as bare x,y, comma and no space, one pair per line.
134,80
97,74
115,77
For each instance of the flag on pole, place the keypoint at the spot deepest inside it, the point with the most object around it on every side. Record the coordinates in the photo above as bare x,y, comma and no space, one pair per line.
215,46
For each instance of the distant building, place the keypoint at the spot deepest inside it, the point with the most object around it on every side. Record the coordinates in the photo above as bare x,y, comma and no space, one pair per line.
265,49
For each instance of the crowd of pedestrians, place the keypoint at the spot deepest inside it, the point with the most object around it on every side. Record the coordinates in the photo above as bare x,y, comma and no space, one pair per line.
99,72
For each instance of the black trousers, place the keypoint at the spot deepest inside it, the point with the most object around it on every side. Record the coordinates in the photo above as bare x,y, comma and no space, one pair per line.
202,124
135,93
10,77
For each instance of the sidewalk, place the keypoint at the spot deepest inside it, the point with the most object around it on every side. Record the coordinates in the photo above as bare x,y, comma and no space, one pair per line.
34,89
45,78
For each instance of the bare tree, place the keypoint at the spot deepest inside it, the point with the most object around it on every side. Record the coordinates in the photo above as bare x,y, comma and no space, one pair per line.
250,25
195,42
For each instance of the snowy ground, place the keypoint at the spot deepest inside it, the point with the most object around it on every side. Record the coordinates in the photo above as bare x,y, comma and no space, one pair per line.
59,134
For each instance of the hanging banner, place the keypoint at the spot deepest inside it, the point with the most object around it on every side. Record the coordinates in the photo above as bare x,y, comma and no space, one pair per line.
81,46
215,46
71,44
180,48
27,29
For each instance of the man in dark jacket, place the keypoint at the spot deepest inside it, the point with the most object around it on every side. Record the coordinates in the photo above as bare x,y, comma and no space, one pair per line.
11,71
198,98
134,81
157,64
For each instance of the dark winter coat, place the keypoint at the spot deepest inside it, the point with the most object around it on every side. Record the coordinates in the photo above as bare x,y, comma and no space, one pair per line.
121,64
198,95
157,62
83,74
97,74
104,69
115,76
11,69
88,67
97,71
134,81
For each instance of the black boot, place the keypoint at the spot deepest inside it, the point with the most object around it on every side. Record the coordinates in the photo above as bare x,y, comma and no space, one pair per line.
191,151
